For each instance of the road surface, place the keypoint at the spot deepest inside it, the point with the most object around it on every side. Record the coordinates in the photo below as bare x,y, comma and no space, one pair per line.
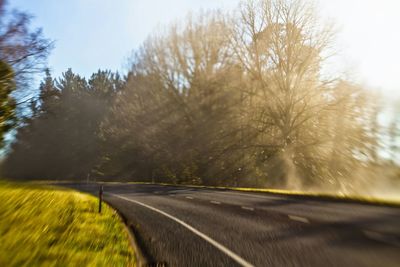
182,226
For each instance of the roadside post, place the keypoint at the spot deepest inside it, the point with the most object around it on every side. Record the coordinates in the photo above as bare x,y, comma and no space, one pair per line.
100,197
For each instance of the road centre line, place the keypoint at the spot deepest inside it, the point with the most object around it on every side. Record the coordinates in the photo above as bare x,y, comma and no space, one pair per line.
236,193
214,243
385,238
215,202
247,208
298,219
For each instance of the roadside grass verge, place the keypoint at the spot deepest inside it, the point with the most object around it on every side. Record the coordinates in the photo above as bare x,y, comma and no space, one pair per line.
51,226
329,196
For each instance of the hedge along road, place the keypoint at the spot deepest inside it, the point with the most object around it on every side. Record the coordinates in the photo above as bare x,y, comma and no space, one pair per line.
183,226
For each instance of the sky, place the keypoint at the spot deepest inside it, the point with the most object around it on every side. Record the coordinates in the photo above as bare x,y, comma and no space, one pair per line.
93,34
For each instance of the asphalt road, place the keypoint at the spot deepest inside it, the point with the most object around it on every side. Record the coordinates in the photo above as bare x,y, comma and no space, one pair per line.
183,226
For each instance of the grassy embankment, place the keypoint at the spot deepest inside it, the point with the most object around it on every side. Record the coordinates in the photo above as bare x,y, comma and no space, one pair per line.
50,226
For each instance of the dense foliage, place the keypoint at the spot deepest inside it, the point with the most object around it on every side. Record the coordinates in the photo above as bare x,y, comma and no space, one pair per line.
61,139
221,99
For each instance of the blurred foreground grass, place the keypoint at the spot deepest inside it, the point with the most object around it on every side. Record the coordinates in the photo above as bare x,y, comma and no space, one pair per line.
49,226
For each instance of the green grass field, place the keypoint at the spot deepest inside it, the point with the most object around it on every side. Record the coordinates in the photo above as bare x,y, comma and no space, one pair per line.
50,226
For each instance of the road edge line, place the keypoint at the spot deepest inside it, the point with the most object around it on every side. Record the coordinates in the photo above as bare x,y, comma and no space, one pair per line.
214,243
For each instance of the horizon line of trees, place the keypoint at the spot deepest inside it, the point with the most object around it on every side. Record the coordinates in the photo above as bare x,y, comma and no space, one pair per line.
222,99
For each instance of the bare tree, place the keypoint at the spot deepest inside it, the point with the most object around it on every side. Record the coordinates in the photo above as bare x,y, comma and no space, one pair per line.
25,50
281,45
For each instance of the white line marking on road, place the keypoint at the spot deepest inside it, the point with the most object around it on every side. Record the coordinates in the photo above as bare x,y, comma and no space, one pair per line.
237,193
189,197
298,219
219,246
215,202
171,195
388,239
247,208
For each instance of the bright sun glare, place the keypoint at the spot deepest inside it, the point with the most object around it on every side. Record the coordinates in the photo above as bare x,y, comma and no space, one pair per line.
370,40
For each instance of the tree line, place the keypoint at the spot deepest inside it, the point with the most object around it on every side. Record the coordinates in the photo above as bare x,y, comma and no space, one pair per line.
238,99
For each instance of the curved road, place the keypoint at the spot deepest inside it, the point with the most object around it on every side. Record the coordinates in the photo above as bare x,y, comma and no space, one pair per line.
183,226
